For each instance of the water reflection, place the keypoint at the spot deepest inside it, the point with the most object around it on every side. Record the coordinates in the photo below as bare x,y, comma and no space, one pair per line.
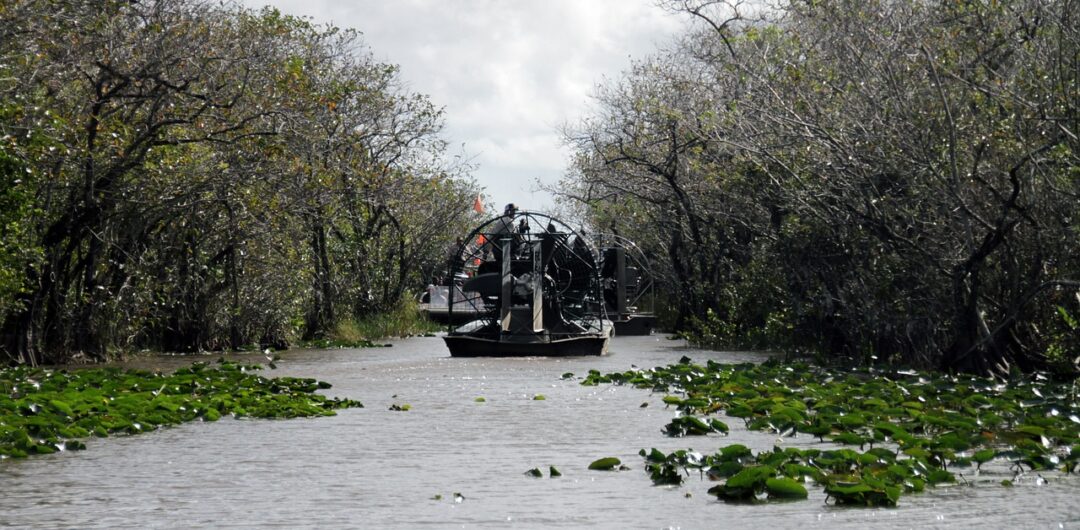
374,467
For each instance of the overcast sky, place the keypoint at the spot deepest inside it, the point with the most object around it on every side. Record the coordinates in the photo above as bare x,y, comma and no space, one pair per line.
508,72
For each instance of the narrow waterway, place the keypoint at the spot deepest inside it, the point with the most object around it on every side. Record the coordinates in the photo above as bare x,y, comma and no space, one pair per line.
375,467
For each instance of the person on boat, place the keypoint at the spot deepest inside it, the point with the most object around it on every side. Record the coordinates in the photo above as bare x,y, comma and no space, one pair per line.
491,250
506,222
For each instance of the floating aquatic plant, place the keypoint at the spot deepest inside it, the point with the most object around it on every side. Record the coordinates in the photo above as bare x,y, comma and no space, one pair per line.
44,411
535,472
605,464
910,428
691,425
666,469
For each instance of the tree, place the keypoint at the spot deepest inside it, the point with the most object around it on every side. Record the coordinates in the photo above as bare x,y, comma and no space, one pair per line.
888,179
202,176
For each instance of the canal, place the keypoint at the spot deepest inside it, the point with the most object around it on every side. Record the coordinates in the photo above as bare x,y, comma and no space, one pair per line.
454,460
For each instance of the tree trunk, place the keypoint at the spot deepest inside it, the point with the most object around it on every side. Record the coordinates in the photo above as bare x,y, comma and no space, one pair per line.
321,313
974,349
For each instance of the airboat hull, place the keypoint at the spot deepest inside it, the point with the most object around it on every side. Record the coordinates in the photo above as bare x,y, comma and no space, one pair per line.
472,346
634,325
442,315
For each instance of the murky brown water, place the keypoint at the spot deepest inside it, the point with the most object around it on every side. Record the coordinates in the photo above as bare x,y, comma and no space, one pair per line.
375,468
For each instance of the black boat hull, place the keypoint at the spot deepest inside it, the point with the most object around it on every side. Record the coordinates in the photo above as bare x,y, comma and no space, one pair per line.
473,346
636,324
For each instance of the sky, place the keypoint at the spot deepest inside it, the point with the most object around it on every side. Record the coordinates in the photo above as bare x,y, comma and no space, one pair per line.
508,73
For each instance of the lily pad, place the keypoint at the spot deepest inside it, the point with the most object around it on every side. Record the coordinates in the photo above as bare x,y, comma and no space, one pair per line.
605,464
746,484
59,408
915,424
785,488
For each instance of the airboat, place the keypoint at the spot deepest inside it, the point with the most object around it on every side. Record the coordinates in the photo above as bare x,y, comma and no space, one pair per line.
530,286
627,283
435,302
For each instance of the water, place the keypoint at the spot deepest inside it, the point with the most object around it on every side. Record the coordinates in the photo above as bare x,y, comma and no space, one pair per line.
376,468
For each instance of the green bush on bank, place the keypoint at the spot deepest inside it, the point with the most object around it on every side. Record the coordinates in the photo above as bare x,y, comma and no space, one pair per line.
776,332
403,320
44,411
718,333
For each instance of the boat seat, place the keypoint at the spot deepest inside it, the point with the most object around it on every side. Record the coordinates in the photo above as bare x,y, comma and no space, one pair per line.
487,284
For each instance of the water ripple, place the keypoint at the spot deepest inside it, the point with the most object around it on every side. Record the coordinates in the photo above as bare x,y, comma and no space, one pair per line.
374,467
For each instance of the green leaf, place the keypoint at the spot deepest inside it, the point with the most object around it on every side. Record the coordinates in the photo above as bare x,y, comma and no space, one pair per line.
694,425
893,493
939,476
62,407
785,488
725,469
654,455
849,438
605,464
718,426
751,477
984,455
734,451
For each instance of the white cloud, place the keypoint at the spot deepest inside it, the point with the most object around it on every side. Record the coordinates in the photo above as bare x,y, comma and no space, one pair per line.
507,72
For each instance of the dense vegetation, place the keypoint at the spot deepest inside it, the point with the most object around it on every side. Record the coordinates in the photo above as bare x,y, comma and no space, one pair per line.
892,180
912,429
44,411
895,180
185,175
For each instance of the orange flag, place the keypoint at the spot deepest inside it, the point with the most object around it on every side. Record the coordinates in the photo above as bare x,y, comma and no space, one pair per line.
478,206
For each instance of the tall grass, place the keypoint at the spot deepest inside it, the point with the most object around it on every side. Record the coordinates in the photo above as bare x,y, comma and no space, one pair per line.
404,320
